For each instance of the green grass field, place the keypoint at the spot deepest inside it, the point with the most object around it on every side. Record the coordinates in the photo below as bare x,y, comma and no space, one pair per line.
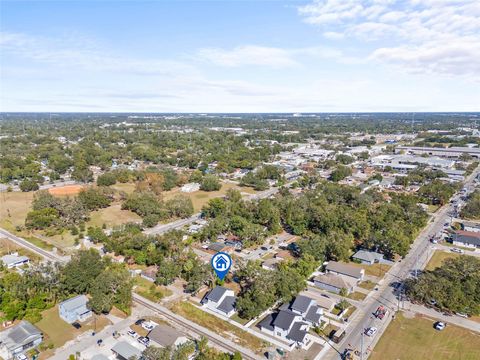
112,216
439,257
415,339
14,207
149,290
357,296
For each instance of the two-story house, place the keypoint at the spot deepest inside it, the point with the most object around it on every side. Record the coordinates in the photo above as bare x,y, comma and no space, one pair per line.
220,300
74,309
293,321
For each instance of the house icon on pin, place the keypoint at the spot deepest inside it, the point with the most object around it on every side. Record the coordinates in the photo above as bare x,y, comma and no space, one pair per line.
220,263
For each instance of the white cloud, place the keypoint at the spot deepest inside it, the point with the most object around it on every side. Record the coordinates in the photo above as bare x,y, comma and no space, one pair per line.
429,36
263,56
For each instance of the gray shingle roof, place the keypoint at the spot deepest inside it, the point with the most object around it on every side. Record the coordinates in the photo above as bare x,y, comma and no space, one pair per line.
126,350
267,322
227,305
313,315
301,303
284,319
164,335
74,303
344,269
296,333
20,334
467,237
367,255
216,294
336,281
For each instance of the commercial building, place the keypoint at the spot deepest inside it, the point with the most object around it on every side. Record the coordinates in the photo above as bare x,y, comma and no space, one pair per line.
451,152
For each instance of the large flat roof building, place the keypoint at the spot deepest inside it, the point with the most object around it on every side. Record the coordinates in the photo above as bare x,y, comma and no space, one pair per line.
451,152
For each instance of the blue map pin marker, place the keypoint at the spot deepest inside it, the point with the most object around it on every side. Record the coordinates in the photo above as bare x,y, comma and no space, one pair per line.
221,263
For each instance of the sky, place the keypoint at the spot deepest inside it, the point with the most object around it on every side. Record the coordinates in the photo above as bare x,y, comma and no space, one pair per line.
240,56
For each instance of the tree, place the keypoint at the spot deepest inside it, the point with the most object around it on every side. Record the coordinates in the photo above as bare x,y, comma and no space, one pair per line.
41,219
210,183
80,273
340,173
107,179
112,287
180,206
168,271
454,286
95,198
28,185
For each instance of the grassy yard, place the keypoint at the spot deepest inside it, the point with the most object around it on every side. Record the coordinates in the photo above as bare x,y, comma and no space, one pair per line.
357,296
149,290
127,187
112,216
376,269
14,207
58,332
349,312
412,339
367,285
439,257
219,326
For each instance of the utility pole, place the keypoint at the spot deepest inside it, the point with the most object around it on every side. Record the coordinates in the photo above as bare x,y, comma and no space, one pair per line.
361,346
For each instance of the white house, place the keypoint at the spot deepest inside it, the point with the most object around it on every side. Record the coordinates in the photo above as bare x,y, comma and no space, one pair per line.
14,260
220,300
19,339
74,309
468,239
293,321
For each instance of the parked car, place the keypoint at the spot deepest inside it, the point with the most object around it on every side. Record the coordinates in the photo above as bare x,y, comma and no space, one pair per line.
139,321
457,250
132,333
439,325
462,315
147,326
144,340
371,331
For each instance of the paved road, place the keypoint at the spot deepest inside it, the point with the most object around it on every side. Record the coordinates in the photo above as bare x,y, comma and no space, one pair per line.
3,187
416,259
47,255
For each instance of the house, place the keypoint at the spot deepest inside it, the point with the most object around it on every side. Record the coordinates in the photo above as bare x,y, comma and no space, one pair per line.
293,321
220,300
124,351
468,239
220,247
271,264
14,260
150,273
190,187
326,303
164,335
470,226
334,283
19,338
367,257
346,270
74,309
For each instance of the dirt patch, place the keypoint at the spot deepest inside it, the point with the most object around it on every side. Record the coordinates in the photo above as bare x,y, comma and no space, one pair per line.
65,190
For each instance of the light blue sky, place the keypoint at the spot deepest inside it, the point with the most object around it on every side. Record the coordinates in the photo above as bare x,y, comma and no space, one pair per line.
240,56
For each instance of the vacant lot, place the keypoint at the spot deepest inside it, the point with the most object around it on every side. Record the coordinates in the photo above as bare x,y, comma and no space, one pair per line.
200,198
219,326
149,290
412,339
112,216
14,207
376,269
439,257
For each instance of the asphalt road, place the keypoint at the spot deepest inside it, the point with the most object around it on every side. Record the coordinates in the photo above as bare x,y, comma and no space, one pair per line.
386,295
